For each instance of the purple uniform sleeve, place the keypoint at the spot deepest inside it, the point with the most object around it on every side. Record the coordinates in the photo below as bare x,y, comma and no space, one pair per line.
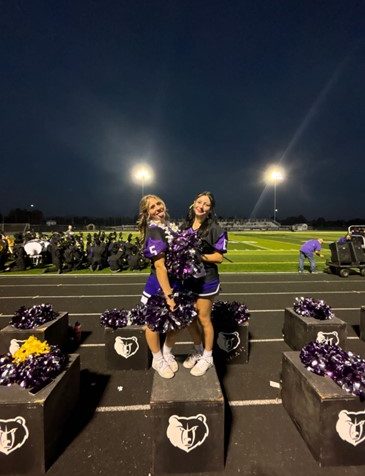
216,240
221,244
155,242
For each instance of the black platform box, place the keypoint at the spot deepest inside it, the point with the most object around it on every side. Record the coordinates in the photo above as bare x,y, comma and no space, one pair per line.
187,423
330,420
54,332
299,330
34,422
362,323
126,348
230,343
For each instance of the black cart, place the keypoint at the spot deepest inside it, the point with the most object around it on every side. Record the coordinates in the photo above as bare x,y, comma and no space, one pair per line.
348,256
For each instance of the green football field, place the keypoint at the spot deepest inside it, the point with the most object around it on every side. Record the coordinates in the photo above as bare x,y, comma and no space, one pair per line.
262,251
272,251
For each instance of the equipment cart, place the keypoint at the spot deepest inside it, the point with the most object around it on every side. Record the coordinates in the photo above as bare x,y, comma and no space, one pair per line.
350,255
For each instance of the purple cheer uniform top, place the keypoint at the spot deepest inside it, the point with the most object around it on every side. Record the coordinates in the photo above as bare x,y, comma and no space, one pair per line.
215,239
155,243
310,246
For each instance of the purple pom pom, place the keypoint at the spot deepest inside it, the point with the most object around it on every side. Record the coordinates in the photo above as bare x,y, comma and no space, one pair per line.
158,316
115,318
35,372
309,307
344,368
28,318
182,258
232,312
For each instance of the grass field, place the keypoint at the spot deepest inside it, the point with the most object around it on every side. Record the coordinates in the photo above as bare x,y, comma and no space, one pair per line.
259,252
272,251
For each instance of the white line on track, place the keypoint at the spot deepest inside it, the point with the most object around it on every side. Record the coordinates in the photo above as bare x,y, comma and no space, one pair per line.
254,311
64,285
89,296
256,341
232,403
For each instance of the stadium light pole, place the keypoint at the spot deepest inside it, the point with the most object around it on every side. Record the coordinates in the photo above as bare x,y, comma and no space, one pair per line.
273,176
142,174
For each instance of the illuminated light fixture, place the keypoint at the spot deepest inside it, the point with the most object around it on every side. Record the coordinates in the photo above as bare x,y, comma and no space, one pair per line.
142,174
273,176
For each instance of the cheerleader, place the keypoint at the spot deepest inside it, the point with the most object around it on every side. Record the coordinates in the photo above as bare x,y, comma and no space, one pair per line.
202,220
154,229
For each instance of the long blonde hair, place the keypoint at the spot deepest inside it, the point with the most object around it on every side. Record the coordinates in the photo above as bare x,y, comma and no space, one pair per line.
142,221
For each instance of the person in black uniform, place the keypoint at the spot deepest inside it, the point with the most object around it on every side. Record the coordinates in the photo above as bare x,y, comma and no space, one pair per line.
202,220
153,224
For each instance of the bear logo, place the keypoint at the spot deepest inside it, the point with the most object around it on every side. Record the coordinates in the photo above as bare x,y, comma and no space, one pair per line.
15,345
228,341
330,338
13,434
350,426
126,346
187,433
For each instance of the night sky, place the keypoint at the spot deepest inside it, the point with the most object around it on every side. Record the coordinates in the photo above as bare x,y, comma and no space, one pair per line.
209,93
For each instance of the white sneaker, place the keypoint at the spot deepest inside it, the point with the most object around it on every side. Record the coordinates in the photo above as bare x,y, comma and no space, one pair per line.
203,364
191,359
171,361
162,368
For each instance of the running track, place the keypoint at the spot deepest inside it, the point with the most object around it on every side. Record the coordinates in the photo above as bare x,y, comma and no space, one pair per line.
109,433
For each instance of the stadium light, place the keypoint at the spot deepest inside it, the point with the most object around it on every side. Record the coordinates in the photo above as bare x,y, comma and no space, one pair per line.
274,175
142,174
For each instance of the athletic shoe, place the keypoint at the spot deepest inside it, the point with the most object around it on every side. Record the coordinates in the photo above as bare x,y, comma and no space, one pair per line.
162,368
203,364
191,359
171,361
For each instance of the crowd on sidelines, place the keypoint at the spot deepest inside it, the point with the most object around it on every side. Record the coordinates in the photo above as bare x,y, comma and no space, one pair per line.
70,251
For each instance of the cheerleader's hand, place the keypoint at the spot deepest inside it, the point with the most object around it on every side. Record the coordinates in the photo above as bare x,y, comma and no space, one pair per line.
171,304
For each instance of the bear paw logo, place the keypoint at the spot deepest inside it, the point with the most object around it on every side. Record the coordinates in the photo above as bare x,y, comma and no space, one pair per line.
187,433
15,345
350,426
330,338
126,346
228,341
13,434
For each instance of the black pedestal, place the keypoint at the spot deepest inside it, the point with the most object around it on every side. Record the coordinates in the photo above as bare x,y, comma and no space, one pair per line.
126,349
299,331
187,423
230,343
54,332
31,424
362,323
330,420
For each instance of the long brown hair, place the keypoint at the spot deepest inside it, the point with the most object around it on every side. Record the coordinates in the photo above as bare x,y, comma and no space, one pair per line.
142,221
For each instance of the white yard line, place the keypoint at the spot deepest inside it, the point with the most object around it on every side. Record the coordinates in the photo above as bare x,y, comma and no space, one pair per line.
232,403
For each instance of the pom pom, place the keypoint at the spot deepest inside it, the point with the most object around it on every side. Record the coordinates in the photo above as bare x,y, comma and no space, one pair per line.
183,258
235,312
309,307
344,368
158,316
32,346
28,318
115,318
35,368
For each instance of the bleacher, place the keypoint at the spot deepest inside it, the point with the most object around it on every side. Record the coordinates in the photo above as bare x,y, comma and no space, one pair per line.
264,224
11,228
